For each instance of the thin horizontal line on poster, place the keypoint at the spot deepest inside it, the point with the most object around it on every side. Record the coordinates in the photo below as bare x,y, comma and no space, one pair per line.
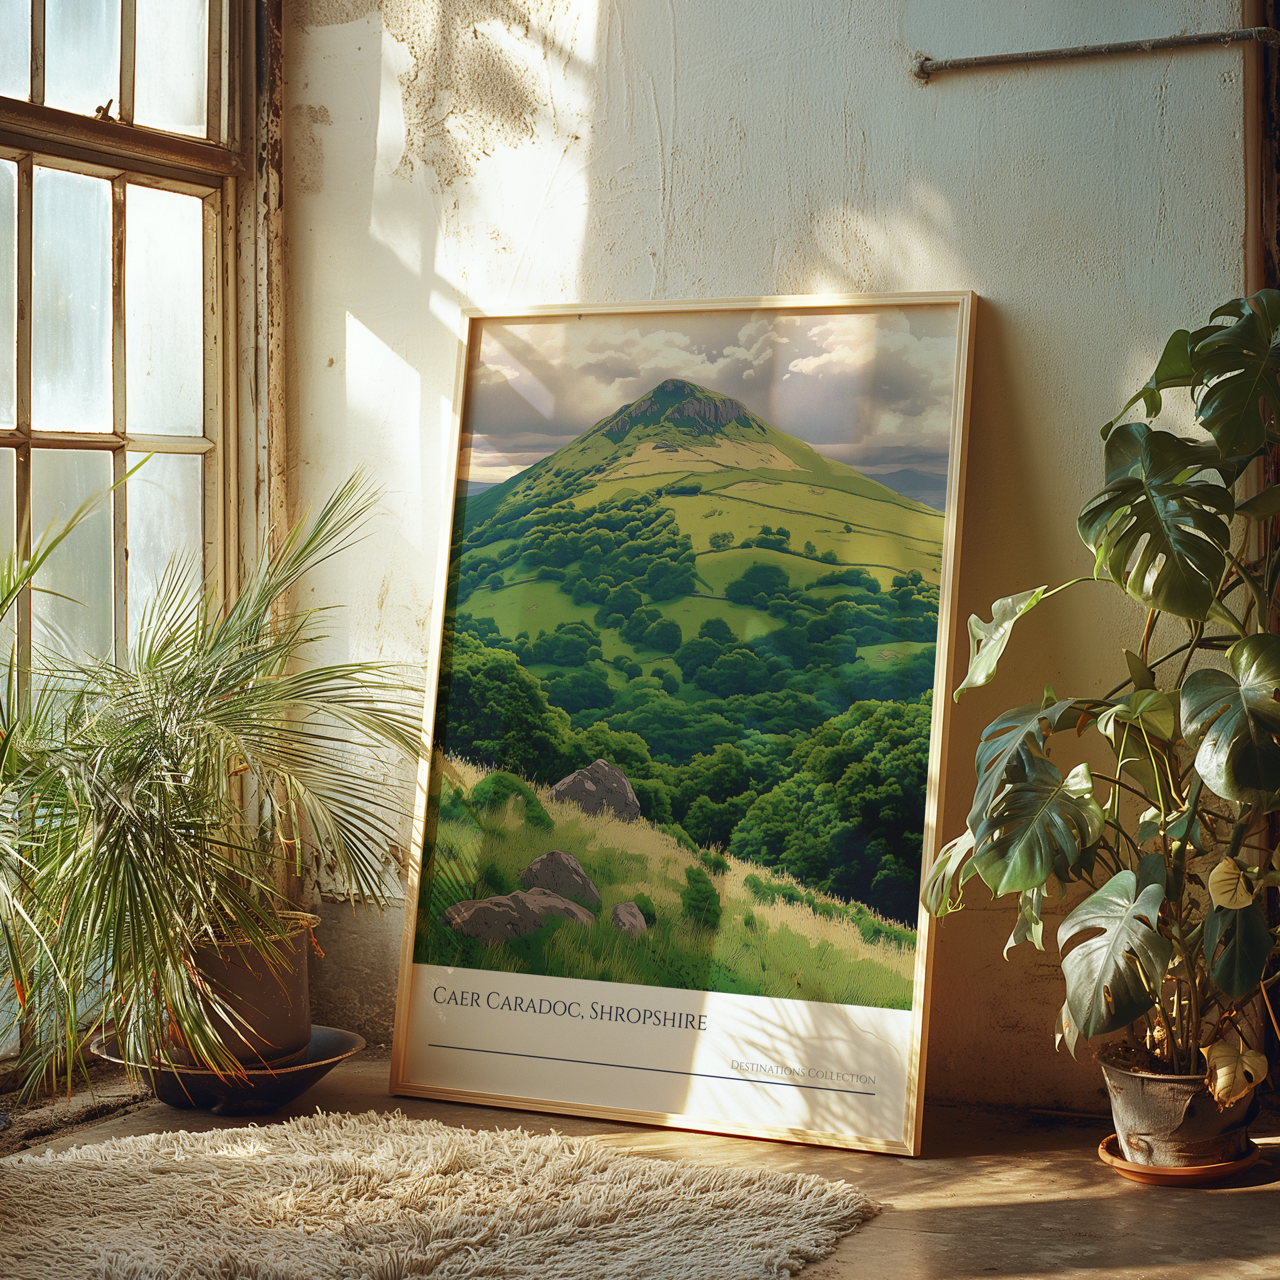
662,1071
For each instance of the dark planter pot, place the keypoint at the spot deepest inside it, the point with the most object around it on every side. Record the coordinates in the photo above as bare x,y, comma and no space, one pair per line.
255,1092
275,1005
1174,1121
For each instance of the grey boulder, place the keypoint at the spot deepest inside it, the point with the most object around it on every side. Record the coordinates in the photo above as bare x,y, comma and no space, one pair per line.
596,787
627,918
561,873
495,920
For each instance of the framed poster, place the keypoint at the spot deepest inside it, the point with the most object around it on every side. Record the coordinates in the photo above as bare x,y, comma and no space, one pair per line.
684,755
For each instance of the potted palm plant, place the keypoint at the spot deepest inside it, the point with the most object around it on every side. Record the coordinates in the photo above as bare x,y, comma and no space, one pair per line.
1174,848
165,810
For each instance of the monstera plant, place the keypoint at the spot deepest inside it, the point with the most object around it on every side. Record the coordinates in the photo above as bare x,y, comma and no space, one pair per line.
1174,848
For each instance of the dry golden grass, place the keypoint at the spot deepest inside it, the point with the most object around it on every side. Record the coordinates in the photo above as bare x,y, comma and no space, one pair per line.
797,953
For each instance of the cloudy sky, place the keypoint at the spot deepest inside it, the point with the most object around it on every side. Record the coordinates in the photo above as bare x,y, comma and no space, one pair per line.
871,388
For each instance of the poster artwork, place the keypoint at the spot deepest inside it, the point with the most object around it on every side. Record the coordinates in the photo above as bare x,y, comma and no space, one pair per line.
684,721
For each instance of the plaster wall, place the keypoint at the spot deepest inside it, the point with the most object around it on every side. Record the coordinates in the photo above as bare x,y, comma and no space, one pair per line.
446,153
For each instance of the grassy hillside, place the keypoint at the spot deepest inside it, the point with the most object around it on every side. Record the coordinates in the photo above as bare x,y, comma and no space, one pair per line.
815,950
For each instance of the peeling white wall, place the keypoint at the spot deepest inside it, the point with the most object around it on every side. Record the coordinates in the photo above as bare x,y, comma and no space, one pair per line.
447,153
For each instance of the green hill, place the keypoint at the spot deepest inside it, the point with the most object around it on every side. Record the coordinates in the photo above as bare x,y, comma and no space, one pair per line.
684,579
723,471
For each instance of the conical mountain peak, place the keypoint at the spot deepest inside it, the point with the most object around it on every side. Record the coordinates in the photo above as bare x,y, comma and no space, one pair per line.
680,405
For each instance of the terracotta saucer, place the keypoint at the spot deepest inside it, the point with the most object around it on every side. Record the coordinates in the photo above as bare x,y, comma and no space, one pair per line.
1197,1175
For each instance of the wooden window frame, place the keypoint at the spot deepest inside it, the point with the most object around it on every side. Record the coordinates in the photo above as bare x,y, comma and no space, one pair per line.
243,427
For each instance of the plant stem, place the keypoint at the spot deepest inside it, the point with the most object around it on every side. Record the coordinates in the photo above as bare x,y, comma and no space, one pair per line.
1197,633
1239,831
1255,590
1106,777
1152,615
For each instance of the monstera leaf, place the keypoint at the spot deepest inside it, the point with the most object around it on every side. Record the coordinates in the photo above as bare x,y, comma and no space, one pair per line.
1030,926
1110,976
1229,887
1233,1071
1174,370
987,640
1142,729
1246,945
1238,364
951,863
1035,825
1157,529
1008,748
1232,719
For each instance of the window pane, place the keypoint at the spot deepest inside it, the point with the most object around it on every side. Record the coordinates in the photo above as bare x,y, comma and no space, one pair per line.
166,509
82,54
15,50
172,59
71,302
8,528
77,621
164,269
8,294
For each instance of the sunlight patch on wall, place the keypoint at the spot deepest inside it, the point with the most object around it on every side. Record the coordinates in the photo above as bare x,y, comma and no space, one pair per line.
877,249
384,424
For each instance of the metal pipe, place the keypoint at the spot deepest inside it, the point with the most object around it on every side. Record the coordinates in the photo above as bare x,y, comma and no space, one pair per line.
924,67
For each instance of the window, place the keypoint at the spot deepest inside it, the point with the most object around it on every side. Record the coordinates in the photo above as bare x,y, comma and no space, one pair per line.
117,202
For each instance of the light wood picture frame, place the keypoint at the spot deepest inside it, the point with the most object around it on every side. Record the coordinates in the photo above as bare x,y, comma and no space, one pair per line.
682,758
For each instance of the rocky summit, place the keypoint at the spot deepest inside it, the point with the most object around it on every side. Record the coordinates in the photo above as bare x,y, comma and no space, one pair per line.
596,787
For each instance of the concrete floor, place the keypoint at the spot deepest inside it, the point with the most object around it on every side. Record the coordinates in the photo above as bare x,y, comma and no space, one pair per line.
1005,1196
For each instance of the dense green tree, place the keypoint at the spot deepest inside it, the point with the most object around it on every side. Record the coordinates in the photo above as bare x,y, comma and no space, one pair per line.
761,579
775,713
719,775
693,655
737,671
663,635
585,690
624,600
498,714
665,581
717,629
850,821
639,622
710,823
674,730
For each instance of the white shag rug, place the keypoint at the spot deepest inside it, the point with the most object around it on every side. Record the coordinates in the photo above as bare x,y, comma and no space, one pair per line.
380,1197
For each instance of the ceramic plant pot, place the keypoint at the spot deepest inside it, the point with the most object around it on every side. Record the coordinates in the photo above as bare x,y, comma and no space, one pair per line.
1174,1121
253,1093
275,1006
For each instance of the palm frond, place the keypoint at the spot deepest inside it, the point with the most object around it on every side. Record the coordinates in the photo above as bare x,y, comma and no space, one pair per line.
131,798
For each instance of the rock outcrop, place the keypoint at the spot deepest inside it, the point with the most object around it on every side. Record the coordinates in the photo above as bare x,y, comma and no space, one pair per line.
561,873
627,918
599,785
494,920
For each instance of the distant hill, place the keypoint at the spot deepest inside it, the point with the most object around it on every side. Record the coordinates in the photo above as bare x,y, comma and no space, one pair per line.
920,486
681,434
